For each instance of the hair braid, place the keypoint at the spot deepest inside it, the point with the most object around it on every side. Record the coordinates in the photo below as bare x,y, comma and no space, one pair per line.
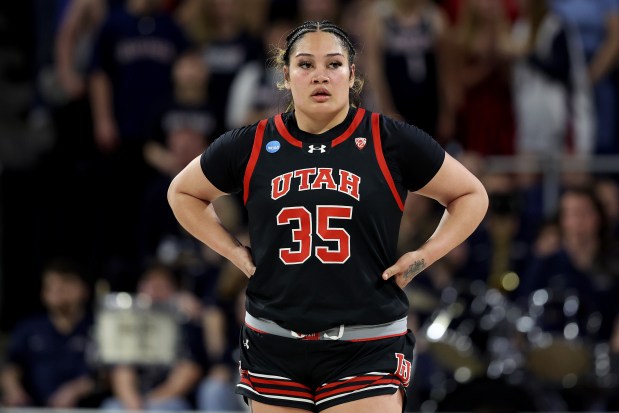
319,26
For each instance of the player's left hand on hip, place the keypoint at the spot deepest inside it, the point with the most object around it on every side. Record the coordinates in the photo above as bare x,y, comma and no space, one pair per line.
406,268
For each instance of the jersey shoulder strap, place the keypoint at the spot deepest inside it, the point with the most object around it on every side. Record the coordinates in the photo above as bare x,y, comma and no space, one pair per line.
253,158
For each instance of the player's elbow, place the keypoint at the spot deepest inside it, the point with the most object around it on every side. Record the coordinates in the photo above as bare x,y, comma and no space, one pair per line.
173,193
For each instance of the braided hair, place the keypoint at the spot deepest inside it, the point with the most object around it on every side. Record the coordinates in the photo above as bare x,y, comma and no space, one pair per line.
321,26
282,56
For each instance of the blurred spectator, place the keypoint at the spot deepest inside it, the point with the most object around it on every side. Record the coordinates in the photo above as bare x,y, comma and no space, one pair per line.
570,294
318,10
453,8
47,355
586,262
183,128
509,247
73,46
478,114
228,49
131,72
156,222
67,169
163,387
191,15
550,84
252,94
188,109
597,23
46,19
547,240
353,20
607,190
402,57
222,324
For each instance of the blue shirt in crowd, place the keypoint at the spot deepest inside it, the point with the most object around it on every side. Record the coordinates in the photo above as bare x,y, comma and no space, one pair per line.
137,53
589,18
47,357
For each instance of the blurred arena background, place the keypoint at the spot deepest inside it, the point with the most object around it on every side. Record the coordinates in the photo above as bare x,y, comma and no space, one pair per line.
106,304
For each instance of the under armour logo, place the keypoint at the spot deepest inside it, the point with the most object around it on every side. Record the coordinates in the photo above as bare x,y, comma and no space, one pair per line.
246,343
321,148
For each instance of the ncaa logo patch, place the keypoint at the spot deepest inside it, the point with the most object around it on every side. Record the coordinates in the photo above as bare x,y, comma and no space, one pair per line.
360,142
273,146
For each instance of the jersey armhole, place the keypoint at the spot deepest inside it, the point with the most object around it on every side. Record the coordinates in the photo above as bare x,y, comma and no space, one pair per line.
253,158
380,157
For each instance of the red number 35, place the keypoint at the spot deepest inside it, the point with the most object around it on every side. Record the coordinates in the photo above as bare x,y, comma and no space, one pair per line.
302,235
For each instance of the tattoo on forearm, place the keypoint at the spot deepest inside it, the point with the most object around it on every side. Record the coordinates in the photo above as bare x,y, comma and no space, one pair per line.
415,269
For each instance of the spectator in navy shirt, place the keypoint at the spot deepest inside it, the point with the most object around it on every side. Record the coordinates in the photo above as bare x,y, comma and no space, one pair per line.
47,364
131,73
586,262
131,69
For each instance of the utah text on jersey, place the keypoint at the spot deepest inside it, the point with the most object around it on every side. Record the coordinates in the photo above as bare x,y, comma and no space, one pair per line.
316,178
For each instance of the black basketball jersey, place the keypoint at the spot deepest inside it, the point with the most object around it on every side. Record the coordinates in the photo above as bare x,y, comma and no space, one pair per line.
324,214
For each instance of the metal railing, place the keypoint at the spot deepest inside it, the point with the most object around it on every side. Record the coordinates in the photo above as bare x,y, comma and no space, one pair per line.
551,168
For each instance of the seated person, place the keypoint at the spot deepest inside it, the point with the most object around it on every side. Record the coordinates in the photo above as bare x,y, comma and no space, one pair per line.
162,387
46,360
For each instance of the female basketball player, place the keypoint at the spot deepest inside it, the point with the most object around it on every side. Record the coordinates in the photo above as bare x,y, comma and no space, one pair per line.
324,185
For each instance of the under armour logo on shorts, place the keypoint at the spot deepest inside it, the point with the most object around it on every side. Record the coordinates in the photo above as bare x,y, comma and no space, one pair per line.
246,343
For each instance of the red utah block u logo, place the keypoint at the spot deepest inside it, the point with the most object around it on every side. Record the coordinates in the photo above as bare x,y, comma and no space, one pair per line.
403,371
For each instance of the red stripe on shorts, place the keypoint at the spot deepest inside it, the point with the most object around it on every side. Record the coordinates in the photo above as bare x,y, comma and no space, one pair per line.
279,383
277,387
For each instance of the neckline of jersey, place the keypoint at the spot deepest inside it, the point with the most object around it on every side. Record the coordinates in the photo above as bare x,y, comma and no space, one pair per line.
287,126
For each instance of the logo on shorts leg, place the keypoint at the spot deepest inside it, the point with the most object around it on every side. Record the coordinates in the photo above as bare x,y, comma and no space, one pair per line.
246,343
403,371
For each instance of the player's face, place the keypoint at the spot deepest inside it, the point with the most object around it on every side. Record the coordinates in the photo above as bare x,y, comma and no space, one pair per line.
319,75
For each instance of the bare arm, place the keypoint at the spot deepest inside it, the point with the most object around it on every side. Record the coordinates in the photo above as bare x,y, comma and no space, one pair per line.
69,394
607,54
66,40
106,134
13,393
80,13
373,62
190,196
125,387
466,202
182,379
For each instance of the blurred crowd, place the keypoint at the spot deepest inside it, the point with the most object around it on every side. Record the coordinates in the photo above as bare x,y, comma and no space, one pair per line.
104,101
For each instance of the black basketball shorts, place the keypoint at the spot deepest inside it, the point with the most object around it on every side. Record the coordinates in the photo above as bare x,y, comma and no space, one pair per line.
317,374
